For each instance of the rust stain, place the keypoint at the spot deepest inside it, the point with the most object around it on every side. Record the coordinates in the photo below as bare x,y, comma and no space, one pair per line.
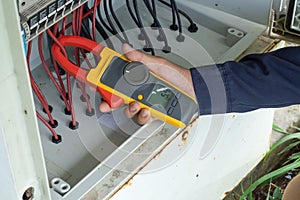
272,46
184,136
127,184
156,156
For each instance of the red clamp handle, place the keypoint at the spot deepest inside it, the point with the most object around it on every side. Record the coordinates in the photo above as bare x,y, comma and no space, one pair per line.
79,73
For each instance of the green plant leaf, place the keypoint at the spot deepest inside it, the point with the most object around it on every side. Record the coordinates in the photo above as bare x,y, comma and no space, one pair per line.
277,194
250,196
242,188
278,129
268,176
289,147
281,141
295,127
294,156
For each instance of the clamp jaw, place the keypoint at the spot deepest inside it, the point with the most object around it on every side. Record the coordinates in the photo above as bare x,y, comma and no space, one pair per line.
103,53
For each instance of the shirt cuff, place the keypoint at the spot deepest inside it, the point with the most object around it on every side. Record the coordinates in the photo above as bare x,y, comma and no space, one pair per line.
211,88
202,93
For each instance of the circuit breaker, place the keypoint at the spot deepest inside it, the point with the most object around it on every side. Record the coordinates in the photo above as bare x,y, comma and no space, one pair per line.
56,144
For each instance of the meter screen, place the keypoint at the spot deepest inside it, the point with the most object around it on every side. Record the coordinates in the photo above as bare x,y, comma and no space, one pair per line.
160,95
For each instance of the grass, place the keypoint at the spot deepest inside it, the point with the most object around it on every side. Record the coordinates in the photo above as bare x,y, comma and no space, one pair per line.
292,162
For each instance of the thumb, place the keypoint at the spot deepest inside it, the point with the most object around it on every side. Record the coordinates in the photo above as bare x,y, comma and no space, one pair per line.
135,55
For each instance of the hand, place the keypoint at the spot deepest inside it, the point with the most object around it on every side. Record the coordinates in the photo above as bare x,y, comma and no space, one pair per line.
175,74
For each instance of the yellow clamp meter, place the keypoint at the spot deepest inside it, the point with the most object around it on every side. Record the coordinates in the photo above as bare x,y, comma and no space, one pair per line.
132,81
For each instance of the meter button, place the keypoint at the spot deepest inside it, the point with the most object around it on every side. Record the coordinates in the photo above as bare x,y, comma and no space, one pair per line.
170,110
136,73
140,97
174,102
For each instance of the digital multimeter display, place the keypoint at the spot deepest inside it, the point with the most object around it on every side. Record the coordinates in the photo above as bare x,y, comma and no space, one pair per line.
160,95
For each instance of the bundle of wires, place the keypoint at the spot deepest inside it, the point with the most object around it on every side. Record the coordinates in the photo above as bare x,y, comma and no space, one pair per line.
162,35
138,21
175,12
110,26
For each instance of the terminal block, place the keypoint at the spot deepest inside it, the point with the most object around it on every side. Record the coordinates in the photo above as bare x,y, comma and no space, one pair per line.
285,20
293,17
38,15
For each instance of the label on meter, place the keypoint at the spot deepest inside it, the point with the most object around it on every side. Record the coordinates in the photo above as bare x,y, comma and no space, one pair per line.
132,81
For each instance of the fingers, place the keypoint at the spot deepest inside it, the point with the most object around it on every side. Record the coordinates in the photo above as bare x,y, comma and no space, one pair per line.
104,107
135,55
132,109
143,115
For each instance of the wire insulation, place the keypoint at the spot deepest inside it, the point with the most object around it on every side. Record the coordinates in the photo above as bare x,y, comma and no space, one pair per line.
110,4
45,65
54,134
148,46
193,27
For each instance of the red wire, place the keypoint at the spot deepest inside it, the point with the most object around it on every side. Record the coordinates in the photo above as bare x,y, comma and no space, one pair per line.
48,126
40,49
91,10
41,97
94,20
63,26
55,29
76,31
83,16
52,35
35,87
70,99
79,19
85,59
57,42
84,94
68,76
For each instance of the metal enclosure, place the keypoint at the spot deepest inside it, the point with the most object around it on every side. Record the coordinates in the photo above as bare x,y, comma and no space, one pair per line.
158,161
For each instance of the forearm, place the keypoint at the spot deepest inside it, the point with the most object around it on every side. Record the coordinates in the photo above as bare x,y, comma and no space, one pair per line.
257,81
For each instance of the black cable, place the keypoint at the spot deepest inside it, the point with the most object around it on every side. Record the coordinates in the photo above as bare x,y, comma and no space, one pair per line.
154,25
111,30
112,26
162,35
173,26
180,37
140,36
137,20
85,30
117,20
131,13
148,47
193,27
103,22
99,28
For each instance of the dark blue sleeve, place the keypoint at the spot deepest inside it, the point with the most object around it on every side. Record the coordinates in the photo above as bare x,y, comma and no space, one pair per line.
267,80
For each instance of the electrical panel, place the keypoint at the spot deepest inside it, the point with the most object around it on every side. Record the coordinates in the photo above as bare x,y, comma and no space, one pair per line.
285,20
37,16
86,151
